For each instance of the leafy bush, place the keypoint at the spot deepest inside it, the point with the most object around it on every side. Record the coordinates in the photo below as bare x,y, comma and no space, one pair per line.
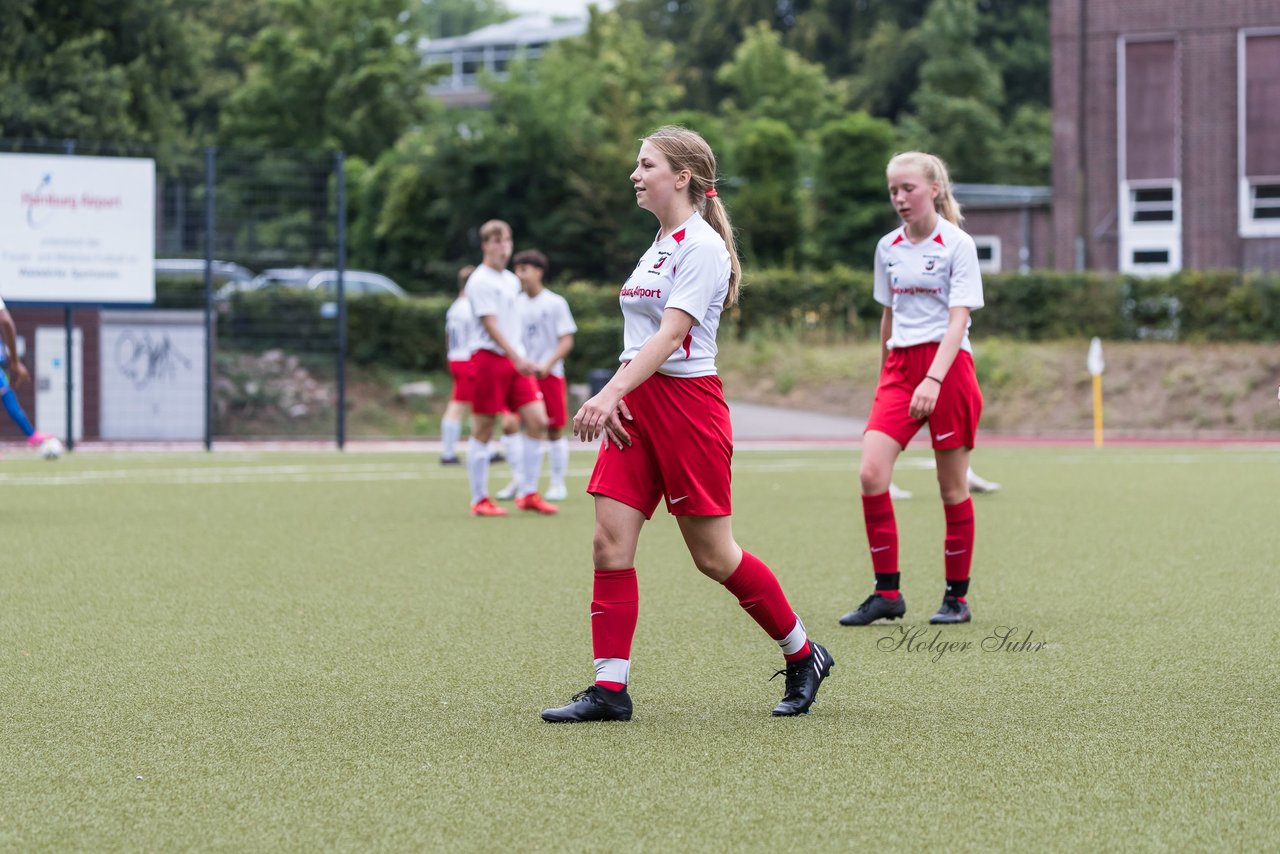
836,303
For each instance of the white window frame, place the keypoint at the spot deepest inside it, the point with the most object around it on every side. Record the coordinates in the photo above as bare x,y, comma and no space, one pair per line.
992,241
1144,236
1160,236
1250,226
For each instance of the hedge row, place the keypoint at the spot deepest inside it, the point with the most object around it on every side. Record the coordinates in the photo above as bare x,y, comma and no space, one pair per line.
1035,306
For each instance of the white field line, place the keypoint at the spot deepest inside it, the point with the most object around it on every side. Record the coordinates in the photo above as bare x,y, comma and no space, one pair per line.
426,471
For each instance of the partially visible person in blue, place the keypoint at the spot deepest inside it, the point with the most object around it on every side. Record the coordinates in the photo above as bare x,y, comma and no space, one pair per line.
9,360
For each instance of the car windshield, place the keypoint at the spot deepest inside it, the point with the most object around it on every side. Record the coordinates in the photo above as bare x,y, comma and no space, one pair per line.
295,278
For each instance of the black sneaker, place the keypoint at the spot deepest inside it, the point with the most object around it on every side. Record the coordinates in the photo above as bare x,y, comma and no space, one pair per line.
593,704
803,678
874,608
450,461
497,457
952,610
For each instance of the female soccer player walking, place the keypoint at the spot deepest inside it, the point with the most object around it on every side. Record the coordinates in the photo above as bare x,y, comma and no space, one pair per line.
667,433
927,279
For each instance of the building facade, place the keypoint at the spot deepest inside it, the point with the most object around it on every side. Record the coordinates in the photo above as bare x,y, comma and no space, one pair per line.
1011,225
1166,134
464,60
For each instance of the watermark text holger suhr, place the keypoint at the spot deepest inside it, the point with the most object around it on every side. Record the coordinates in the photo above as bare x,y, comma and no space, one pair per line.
930,642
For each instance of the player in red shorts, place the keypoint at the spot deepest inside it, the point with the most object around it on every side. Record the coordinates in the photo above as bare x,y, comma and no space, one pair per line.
548,330
502,378
459,321
927,279
667,435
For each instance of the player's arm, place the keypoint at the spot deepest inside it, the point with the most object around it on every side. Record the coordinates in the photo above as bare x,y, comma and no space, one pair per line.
886,331
563,346
9,333
490,322
604,412
926,394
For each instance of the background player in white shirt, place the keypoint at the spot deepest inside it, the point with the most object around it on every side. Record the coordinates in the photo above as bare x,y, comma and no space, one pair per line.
667,432
927,279
459,323
547,338
503,377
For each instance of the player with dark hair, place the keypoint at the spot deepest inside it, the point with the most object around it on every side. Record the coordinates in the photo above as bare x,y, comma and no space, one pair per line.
548,330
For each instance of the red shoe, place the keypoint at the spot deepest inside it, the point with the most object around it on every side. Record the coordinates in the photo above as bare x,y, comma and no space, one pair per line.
485,507
533,501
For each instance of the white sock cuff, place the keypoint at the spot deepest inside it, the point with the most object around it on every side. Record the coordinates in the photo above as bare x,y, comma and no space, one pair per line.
794,642
613,670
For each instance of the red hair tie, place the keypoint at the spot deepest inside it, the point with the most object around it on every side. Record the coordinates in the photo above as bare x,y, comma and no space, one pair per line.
711,194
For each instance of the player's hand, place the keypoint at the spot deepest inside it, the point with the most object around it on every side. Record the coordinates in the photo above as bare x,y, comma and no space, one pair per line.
524,366
20,374
542,372
603,414
924,399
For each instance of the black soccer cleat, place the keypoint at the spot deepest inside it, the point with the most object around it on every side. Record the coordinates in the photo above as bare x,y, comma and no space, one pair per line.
874,608
593,704
803,678
952,610
450,461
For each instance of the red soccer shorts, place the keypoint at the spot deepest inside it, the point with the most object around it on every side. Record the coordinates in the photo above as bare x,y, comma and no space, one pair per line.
498,386
555,394
463,381
954,422
681,449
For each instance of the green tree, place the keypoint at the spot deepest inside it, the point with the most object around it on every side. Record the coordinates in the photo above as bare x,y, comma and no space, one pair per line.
956,110
764,208
551,156
106,72
329,74
440,19
764,78
851,210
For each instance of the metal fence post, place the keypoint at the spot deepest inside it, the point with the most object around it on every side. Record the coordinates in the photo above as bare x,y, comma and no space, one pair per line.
340,172
69,147
210,164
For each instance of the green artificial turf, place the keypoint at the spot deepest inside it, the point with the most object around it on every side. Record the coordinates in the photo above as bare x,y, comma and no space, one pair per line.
325,652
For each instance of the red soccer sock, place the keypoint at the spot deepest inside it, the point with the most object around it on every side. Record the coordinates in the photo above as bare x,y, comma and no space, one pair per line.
761,596
615,605
882,539
957,550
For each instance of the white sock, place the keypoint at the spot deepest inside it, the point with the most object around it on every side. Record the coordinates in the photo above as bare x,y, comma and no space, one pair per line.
450,432
513,448
794,642
559,460
478,469
613,670
531,471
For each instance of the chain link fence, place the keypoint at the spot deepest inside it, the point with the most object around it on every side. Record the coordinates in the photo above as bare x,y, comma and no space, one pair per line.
246,338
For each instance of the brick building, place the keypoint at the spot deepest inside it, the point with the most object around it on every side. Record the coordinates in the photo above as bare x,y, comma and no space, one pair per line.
1166,134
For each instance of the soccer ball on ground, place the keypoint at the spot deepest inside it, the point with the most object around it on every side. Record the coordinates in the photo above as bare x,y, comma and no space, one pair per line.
52,448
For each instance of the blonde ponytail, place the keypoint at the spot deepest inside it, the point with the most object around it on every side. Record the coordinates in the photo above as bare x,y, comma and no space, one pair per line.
717,217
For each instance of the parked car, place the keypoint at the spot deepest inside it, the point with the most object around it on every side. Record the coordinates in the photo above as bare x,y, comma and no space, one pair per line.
356,283
180,281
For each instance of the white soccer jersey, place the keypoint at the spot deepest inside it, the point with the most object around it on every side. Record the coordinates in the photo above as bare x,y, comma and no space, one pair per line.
923,281
545,319
688,270
493,293
459,327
